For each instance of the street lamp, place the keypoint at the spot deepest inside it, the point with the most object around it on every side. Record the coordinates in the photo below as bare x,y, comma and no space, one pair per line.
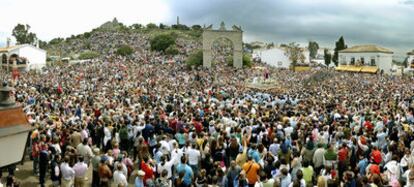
14,129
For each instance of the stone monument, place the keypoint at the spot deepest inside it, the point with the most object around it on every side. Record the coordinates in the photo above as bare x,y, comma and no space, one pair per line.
235,36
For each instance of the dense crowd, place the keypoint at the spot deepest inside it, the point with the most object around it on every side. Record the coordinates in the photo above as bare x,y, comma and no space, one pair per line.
162,124
106,42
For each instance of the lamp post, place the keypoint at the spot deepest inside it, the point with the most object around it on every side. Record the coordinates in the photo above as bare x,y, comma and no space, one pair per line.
14,128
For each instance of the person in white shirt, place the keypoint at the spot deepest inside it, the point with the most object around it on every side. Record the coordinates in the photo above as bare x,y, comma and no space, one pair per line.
85,151
164,143
176,154
165,165
80,169
119,177
124,168
68,174
194,157
393,168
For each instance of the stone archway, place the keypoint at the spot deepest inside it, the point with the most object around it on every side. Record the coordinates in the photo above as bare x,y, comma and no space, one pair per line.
235,36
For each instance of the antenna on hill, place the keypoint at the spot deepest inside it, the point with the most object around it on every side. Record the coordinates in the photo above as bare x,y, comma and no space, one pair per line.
178,20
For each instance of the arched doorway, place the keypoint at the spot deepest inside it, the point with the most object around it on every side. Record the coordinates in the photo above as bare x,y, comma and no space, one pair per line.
4,59
13,58
222,51
235,36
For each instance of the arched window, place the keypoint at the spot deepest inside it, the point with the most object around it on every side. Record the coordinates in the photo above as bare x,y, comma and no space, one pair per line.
12,58
4,59
352,60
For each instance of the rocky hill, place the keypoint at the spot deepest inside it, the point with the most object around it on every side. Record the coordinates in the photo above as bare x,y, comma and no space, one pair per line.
105,39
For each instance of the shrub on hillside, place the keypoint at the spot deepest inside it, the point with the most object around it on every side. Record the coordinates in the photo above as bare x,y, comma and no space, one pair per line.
171,50
162,42
124,50
195,59
88,55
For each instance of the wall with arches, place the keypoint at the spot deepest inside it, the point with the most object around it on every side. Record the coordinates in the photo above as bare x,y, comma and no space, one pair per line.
236,38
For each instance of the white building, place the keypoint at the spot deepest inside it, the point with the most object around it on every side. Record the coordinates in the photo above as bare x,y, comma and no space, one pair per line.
365,58
26,56
410,58
276,57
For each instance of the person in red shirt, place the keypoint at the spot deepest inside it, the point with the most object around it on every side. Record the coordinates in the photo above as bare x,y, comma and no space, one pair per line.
198,126
368,125
35,156
147,168
376,155
342,159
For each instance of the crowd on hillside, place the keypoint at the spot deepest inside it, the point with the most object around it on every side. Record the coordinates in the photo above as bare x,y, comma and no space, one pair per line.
146,123
108,41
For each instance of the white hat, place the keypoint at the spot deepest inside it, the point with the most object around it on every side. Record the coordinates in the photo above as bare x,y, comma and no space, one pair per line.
141,173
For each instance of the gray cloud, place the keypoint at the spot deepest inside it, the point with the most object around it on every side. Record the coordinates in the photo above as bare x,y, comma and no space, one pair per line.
279,21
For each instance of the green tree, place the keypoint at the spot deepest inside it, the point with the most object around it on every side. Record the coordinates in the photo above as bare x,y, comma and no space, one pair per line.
56,41
294,53
162,26
180,27
246,60
196,27
151,26
88,55
339,45
124,50
195,59
271,45
42,44
327,56
162,42
136,26
22,34
313,49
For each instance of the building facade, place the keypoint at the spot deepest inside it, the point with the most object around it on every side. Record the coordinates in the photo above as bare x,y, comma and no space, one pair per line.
276,57
410,58
365,58
24,57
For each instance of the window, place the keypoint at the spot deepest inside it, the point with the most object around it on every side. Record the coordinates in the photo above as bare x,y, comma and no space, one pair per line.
362,61
352,60
342,60
373,61
4,59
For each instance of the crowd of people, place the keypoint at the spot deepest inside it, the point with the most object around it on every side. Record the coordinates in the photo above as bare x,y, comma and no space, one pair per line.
107,41
163,124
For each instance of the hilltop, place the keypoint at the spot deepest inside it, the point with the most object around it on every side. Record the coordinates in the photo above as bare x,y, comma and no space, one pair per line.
107,38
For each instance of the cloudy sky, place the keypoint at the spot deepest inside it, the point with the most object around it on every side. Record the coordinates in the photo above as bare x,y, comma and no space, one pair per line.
389,23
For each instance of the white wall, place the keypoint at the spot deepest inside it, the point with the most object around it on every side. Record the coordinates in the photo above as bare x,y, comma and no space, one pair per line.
36,57
382,60
275,57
